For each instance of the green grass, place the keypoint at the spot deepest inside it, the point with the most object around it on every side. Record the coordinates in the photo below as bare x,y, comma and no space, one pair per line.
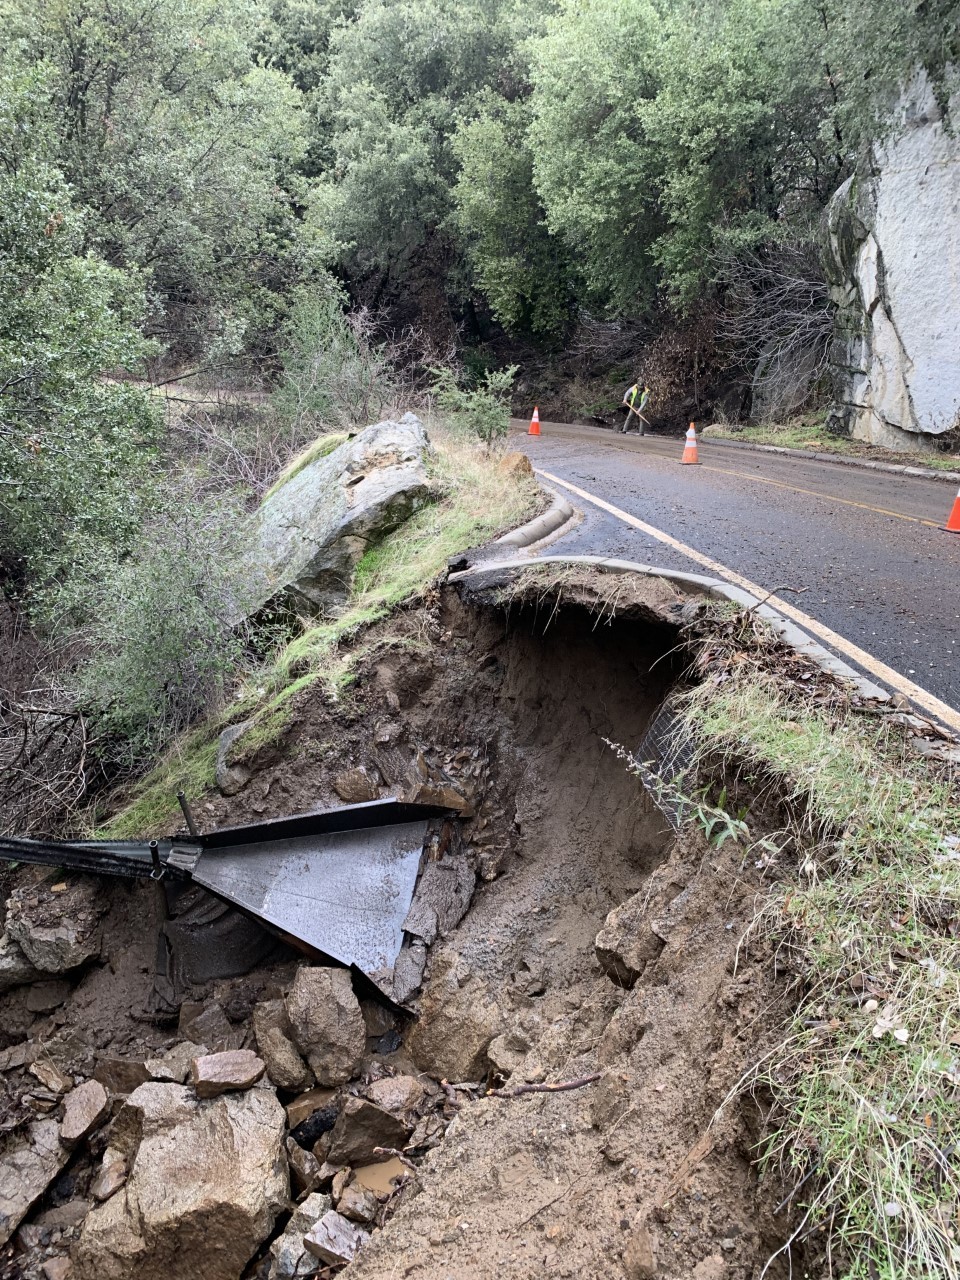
190,765
866,911
809,433
475,502
322,446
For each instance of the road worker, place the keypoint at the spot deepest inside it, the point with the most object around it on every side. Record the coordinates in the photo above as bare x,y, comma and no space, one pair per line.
629,400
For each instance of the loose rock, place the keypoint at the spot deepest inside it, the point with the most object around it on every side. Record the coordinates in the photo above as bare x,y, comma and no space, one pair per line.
216,1073
302,1108
15,969
121,1075
327,1023
271,1027
231,777
400,1095
207,1180
289,1259
57,932
640,1255
57,1269
360,1128
455,1027
29,1161
354,786
358,1204
334,1239
626,944
208,1025
174,1067
83,1109
304,1168
111,1175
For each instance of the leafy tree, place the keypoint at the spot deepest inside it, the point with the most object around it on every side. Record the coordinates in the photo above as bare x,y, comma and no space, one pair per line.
74,445
595,170
523,270
483,410
184,151
401,77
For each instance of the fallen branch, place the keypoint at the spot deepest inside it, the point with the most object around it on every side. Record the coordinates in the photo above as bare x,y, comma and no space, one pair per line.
565,1085
396,1154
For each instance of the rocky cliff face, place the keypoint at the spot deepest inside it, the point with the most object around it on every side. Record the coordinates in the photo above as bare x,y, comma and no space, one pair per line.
894,263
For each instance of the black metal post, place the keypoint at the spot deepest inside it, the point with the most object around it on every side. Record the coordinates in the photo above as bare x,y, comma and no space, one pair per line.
188,816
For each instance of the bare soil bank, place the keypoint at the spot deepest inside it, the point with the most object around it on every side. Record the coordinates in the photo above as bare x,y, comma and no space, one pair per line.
511,694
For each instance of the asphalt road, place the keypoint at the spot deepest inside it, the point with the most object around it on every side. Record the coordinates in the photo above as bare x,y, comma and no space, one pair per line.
861,548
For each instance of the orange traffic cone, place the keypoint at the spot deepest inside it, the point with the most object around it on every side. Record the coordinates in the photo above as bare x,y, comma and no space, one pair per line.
690,448
535,422
953,520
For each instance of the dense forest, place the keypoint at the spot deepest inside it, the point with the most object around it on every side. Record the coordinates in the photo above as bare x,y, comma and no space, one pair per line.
313,202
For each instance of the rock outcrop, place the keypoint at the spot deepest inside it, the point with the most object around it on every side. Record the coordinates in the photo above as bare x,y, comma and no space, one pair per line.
313,529
893,258
206,1182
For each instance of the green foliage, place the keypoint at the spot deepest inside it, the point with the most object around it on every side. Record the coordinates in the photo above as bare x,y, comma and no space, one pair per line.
184,152
71,441
400,78
333,374
483,410
595,170
521,268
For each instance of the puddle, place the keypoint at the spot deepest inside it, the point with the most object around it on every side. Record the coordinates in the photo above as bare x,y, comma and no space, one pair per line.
379,1177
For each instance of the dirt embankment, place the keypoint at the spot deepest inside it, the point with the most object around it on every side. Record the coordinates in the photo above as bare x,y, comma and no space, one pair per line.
512,696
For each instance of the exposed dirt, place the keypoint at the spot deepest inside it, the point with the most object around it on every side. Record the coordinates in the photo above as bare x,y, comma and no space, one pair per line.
513,694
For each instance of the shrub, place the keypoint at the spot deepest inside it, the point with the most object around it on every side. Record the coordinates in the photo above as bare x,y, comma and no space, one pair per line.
165,641
484,410
333,373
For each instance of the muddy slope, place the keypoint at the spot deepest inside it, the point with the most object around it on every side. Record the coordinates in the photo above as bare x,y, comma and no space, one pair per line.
510,696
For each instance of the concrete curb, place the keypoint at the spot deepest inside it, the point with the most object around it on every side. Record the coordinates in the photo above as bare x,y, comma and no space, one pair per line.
925,473
549,524
695,584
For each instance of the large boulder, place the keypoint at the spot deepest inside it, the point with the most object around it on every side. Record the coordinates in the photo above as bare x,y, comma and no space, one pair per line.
207,1179
893,242
314,527
327,1024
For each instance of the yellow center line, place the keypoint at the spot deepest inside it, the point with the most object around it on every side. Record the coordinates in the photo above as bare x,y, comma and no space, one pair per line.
893,679
780,484
827,497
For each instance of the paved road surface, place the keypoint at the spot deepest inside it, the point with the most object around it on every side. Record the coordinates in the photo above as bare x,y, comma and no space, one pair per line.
864,545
